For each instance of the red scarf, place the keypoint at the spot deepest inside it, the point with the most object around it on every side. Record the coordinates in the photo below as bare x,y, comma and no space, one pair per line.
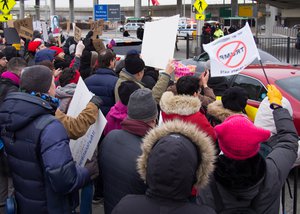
135,127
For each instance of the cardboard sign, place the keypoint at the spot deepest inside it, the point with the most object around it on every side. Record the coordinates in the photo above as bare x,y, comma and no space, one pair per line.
26,33
26,23
77,33
96,24
11,36
45,32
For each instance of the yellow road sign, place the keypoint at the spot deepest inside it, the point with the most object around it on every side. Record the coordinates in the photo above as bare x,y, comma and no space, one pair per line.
7,5
200,5
5,18
200,16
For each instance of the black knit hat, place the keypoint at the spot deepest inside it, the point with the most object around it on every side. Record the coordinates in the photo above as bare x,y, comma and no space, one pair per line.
235,98
37,78
142,106
126,89
134,64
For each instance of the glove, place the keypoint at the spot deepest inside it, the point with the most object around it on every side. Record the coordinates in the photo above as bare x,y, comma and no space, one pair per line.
97,101
79,48
274,96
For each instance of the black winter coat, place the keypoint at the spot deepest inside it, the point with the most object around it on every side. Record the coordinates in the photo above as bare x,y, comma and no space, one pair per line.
118,154
41,163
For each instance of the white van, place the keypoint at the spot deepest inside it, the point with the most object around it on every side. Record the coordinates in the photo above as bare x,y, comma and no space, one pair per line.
185,29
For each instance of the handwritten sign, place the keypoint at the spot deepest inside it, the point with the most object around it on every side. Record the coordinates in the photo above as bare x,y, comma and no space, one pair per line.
77,33
26,23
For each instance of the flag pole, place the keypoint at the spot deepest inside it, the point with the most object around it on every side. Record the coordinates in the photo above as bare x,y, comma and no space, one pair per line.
264,71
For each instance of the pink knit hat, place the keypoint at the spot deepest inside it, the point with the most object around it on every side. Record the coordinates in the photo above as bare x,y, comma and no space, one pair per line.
239,138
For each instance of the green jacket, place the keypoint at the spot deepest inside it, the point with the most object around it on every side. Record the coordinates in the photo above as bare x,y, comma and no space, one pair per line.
157,91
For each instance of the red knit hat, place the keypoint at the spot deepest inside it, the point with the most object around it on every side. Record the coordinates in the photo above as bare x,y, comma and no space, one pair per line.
33,45
239,138
57,49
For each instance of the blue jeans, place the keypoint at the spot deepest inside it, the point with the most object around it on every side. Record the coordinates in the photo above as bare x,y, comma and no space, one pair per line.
86,199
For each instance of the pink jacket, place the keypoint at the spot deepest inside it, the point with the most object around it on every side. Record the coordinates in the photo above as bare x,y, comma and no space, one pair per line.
115,116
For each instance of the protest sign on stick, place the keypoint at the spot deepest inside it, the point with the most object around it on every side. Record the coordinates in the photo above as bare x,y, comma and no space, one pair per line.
232,53
77,33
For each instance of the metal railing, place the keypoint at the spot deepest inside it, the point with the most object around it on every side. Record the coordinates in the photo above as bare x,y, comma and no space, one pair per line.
283,49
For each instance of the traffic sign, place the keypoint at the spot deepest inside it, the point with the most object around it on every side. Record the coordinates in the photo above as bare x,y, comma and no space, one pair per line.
200,16
200,5
7,5
5,18
107,12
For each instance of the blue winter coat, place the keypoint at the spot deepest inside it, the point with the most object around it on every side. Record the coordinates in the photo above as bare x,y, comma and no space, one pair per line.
102,84
42,167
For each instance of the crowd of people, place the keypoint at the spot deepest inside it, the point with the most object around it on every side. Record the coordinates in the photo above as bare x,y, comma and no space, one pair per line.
168,147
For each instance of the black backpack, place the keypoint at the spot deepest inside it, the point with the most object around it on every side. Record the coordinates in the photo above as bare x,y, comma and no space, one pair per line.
220,206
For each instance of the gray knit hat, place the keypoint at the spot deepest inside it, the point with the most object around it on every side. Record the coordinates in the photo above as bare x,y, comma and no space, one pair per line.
142,106
37,78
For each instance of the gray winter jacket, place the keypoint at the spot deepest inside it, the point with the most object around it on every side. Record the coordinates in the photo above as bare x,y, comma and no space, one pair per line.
265,193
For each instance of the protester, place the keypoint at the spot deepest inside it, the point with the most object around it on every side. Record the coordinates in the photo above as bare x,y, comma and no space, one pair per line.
150,77
103,82
88,63
44,55
206,94
119,111
9,82
59,57
176,156
232,102
3,62
140,32
243,180
33,47
120,149
186,105
126,33
264,119
134,71
77,127
43,158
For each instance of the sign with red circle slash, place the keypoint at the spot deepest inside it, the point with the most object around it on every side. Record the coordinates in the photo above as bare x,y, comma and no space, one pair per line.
232,54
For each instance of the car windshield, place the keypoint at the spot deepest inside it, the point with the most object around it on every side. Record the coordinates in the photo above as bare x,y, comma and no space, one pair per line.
290,85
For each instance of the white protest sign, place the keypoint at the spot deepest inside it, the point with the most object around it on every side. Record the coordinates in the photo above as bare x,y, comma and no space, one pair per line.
37,25
45,32
84,147
159,42
231,54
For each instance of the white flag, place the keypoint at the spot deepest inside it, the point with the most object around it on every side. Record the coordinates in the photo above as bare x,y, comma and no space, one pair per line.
231,54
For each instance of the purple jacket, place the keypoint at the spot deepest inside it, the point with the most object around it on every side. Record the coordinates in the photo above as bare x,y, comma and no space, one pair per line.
115,116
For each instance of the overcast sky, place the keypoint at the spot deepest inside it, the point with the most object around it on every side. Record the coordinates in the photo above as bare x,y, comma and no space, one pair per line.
88,3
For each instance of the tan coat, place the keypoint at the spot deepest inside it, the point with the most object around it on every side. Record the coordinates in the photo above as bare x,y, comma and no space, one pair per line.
157,91
77,127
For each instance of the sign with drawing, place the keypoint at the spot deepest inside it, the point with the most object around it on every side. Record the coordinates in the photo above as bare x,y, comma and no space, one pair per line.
232,53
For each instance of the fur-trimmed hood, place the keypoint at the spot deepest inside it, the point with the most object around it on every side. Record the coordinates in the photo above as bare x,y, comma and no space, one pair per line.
170,179
217,110
179,104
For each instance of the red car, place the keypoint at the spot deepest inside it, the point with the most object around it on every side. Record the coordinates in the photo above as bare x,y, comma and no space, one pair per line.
285,77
